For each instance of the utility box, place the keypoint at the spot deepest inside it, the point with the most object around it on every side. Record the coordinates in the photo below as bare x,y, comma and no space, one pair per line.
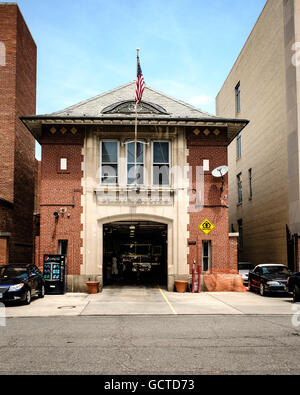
55,274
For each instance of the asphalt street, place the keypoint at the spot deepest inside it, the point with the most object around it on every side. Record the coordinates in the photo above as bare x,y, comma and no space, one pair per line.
151,345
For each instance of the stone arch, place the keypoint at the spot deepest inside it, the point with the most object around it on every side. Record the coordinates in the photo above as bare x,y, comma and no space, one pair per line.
139,217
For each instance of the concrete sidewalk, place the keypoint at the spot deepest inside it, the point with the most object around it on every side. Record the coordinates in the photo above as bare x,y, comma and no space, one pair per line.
117,301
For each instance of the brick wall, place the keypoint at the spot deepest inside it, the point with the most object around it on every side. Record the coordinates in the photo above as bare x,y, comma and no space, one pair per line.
223,248
61,190
215,209
17,154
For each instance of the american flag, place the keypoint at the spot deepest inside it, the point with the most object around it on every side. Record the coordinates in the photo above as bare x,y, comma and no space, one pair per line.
140,85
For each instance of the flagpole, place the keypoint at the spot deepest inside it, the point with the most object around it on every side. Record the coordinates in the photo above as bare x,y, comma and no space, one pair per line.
136,125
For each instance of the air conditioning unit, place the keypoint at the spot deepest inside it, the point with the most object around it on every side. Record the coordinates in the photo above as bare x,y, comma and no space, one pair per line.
63,210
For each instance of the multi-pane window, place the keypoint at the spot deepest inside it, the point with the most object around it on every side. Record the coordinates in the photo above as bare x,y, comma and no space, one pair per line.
239,146
140,163
238,97
240,188
206,255
250,185
161,163
109,162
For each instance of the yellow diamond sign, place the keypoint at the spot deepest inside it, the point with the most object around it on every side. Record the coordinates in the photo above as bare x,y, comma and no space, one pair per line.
206,227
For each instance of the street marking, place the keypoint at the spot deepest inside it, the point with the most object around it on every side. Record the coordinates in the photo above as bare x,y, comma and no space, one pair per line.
167,300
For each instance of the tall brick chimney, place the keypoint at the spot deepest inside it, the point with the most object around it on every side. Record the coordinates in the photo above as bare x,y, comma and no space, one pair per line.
18,55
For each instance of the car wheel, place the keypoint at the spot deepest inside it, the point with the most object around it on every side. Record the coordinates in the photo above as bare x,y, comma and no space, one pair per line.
262,290
296,294
42,292
28,297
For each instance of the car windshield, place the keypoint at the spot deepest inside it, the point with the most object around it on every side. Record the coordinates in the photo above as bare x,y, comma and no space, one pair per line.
12,272
275,270
246,266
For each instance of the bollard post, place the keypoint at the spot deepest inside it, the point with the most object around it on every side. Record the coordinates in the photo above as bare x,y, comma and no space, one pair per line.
199,277
193,277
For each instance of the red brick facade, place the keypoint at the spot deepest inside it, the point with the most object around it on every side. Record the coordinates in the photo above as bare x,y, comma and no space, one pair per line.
61,192
17,154
223,248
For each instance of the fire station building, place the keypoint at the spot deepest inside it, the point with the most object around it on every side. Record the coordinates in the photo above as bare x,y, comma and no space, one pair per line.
92,210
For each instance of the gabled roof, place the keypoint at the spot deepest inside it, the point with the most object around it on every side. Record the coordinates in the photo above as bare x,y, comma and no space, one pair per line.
117,107
93,107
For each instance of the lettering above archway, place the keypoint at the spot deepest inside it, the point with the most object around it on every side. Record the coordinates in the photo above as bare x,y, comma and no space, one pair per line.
128,107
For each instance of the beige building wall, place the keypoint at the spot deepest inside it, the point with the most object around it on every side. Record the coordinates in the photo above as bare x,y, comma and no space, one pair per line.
261,71
97,213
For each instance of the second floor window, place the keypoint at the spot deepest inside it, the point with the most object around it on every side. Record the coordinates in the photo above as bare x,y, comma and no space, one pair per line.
161,163
109,162
140,163
240,188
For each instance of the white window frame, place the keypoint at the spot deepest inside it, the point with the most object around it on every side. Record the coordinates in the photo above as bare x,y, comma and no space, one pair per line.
126,148
152,163
117,163
63,160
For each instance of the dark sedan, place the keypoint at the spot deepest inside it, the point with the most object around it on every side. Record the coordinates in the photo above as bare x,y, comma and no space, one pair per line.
21,283
294,286
269,279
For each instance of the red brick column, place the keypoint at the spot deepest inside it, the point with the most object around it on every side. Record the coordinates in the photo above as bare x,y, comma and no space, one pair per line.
3,251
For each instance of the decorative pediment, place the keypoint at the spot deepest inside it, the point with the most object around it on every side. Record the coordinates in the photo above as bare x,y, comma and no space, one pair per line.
128,107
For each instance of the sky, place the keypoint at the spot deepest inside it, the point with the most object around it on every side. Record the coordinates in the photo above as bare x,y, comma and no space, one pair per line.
87,47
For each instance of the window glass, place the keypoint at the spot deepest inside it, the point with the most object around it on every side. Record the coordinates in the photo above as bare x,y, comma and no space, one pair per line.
109,162
239,146
206,255
161,152
161,163
139,162
109,152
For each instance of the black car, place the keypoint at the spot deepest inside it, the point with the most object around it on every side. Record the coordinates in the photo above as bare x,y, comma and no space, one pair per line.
294,286
269,278
21,283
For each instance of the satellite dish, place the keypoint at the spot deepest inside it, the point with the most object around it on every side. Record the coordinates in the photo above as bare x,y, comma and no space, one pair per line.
220,171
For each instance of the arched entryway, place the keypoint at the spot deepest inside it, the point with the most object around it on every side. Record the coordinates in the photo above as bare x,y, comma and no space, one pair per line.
135,252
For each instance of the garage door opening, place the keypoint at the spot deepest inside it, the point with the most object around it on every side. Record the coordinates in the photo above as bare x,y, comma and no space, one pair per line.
135,253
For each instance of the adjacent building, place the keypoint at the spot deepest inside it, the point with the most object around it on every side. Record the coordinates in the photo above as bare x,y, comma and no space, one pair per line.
98,210
17,146
264,187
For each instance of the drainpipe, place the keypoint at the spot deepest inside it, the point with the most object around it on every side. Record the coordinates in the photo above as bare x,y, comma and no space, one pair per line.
193,277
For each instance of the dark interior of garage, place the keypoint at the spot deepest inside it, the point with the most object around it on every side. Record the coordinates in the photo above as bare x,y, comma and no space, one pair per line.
135,253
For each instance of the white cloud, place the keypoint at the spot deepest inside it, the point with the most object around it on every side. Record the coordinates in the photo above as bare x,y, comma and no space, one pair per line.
201,100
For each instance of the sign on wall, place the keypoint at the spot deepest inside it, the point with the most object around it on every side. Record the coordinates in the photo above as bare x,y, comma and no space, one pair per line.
206,227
